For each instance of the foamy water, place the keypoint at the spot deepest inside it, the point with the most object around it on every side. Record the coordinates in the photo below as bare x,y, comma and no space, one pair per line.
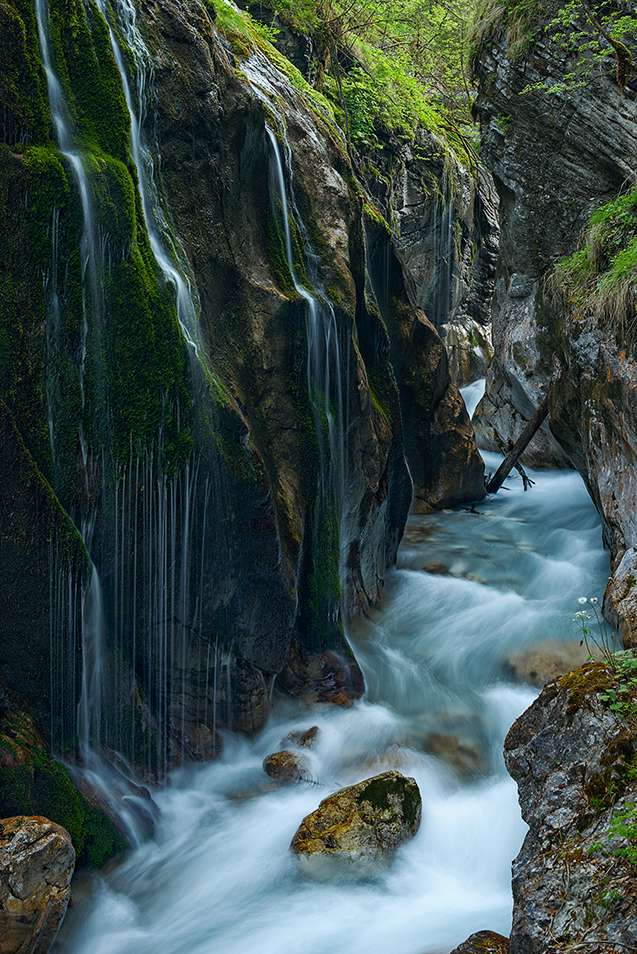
218,877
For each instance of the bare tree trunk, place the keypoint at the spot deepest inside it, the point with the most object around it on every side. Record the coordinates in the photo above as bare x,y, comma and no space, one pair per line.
510,461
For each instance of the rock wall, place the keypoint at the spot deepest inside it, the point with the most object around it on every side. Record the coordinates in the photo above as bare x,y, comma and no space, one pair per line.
445,219
191,456
554,158
574,758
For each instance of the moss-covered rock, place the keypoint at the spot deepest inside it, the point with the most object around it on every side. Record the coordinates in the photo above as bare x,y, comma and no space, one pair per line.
34,783
359,827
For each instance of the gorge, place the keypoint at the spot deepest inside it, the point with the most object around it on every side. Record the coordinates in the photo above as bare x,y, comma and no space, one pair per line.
242,287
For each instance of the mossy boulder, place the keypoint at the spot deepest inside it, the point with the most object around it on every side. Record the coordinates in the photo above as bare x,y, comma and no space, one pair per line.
34,783
358,828
484,942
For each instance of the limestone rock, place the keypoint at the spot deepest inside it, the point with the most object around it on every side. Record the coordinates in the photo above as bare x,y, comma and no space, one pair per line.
36,864
484,942
572,758
469,348
359,827
287,766
546,661
620,599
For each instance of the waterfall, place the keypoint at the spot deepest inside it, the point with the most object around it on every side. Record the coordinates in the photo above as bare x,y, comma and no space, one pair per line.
168,253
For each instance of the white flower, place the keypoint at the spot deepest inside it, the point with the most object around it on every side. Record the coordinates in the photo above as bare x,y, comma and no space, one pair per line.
592,600
582,600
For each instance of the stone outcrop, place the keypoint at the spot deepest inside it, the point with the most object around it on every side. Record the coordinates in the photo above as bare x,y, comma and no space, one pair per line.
544,662
359,827
484,942
574,760
36,864
287,766
445,218
34,783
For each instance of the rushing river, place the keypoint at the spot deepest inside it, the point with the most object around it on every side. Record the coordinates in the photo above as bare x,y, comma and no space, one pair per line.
218,877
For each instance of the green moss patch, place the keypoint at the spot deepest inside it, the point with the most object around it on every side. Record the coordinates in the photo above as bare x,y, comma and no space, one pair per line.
33,783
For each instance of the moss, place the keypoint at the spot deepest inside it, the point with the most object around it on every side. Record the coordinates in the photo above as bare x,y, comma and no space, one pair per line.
25,112
90,77
36,784
377,794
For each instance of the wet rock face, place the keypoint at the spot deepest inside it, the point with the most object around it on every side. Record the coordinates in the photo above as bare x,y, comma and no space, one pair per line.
447,229
215,508
359,827
36,864
553,158
573,759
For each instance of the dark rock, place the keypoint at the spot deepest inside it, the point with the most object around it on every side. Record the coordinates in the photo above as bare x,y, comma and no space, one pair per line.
359,827
36,864
484,942
321,677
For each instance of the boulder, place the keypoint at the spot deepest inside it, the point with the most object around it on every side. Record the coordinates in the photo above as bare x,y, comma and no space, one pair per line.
358,828
574,759
484,942
287,766
36,864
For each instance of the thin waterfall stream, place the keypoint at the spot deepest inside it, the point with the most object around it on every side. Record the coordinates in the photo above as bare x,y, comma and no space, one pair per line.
218,874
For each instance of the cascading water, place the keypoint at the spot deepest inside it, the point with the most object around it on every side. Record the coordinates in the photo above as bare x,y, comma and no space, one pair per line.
323,361
168,254
219,875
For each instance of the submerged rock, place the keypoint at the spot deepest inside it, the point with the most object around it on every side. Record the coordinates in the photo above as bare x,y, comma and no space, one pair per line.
546,661
287,766
359,827
484,942
36,864
465,758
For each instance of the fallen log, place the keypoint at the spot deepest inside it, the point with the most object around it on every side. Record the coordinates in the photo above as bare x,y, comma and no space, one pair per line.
511,460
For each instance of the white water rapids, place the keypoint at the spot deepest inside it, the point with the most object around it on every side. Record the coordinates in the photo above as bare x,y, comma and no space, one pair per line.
218,877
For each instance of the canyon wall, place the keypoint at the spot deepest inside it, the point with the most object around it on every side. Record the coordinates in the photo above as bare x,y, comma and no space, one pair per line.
211,353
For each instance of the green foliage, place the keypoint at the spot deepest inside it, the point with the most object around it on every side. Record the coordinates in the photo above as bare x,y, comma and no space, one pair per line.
624,825
600,278
383,64
595,39
25,114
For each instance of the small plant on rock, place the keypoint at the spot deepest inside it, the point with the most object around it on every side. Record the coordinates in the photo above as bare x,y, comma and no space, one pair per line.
603,642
